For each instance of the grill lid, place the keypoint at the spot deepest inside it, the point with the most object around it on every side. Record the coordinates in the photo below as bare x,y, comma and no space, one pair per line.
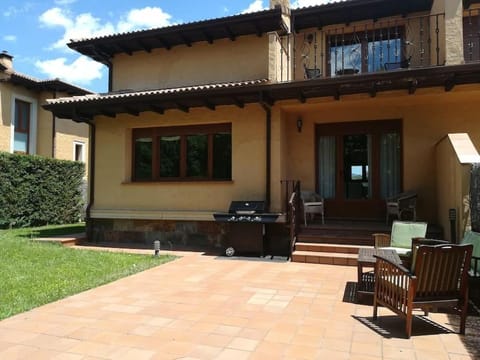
246,207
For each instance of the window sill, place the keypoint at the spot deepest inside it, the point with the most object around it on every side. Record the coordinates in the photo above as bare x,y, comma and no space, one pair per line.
178,182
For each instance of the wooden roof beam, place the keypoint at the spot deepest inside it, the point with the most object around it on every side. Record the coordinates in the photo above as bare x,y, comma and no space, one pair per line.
230,33
209,105
144,46
183,108
238,103
164,43
158,109
185,40
132,111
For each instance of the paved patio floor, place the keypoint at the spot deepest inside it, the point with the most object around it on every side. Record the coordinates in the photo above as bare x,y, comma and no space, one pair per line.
206,307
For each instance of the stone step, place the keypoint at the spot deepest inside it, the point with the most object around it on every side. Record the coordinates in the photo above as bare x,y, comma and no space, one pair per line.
328,247
328,258
65,240
335,239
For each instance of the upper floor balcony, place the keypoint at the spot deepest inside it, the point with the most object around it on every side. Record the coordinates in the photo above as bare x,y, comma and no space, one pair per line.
373,46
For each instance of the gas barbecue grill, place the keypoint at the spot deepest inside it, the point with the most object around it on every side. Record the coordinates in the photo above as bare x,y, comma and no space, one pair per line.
247,229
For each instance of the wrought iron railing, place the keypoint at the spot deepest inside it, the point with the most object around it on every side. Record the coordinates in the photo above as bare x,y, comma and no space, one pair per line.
370,47
471,35
295,212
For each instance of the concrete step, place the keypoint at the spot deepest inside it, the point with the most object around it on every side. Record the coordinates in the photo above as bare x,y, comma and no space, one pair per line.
330,248
65,240
329,258
356,240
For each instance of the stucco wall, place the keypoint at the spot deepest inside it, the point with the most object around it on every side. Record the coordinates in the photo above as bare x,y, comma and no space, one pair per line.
244,59
116,196
427,117
67,131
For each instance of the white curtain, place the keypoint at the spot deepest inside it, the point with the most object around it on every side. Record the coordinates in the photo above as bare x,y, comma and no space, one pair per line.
390,164
326,166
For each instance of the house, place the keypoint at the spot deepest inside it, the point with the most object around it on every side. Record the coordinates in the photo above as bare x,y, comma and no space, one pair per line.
26,128
357,99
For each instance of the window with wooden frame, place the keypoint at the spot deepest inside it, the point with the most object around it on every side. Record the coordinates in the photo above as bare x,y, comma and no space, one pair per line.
471,37
21,137
182,153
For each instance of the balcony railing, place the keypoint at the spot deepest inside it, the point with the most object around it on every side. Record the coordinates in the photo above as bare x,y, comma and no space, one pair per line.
370,47
471,35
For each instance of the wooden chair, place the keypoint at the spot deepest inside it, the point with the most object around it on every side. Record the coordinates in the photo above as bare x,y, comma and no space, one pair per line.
438,279
400,238
400,204
313,204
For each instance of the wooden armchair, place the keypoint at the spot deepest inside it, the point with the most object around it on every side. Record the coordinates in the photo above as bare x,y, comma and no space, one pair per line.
438,279
400,238
401,203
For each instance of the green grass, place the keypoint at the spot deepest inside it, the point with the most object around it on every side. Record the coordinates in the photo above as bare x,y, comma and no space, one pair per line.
34,273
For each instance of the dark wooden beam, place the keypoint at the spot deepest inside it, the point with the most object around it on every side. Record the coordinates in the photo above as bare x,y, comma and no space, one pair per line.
185,40
108,113
209,105
131,111
183,108
238,103
301,97
265,98
373,90
144,46
125,49
164,43
230,34
158,109
208,37
450,83
258,30
412,86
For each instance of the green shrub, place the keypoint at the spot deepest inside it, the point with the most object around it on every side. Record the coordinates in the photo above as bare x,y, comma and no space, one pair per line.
36,191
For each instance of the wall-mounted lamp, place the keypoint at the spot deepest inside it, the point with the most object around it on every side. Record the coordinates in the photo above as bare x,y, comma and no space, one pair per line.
299,124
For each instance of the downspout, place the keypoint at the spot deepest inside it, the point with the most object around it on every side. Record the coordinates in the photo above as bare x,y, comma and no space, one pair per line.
110,76
91,178
54,129
268,152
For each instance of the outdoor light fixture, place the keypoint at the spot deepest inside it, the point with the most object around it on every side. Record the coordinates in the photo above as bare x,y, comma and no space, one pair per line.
156,247
299,124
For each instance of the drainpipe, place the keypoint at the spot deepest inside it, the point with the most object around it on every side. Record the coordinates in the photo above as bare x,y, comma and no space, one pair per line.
54,129
91,177
268,123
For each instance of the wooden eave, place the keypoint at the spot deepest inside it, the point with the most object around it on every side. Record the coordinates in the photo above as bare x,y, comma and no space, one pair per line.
103,49
46,85
407,80
345,12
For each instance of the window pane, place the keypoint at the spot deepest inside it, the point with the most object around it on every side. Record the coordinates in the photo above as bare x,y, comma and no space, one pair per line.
22,116
20,142
143,159
197,156
170,156
222,156
390,164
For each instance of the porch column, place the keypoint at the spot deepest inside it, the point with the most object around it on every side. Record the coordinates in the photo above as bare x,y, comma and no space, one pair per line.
277,165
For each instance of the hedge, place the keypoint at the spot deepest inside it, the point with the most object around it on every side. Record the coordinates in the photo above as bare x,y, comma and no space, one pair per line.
36,191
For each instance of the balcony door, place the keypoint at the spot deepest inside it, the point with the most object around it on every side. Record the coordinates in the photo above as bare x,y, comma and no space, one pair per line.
358,166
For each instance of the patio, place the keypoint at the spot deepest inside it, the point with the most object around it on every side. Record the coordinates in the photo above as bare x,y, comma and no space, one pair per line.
207,307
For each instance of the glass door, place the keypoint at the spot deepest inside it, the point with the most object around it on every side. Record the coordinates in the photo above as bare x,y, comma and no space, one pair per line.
358,166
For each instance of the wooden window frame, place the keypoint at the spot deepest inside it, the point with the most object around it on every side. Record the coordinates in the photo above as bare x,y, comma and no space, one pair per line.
20,106
183,132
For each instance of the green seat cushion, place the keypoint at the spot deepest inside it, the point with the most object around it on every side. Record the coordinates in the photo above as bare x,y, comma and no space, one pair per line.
403,232
472,237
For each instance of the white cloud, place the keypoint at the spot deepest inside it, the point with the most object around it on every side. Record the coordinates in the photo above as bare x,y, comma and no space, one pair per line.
81,71
64,2
146,18
12,11
81,26
11,38
305,3
257,5
86,25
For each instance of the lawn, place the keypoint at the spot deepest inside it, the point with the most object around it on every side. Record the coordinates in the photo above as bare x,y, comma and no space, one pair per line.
33,273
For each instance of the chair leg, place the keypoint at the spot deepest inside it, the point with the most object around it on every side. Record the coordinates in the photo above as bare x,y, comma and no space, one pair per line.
305,217
323,219
463,315
408,323
375,309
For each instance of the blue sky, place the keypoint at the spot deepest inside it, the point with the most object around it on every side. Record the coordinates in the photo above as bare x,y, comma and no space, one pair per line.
36,32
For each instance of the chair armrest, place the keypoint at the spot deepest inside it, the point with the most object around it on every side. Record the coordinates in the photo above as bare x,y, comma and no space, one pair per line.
381,240
394,285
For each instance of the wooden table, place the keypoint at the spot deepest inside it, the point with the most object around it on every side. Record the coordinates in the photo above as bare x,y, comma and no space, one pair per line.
366,280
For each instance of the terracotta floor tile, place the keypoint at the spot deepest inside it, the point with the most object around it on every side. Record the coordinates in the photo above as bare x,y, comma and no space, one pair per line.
208,307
